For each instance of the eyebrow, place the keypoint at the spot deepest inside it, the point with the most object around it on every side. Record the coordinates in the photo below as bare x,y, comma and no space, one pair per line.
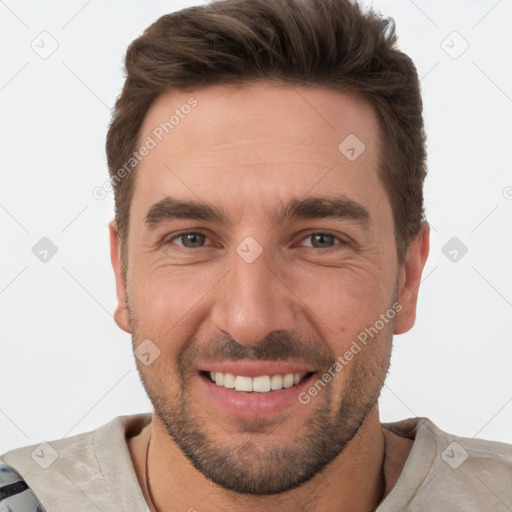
342,208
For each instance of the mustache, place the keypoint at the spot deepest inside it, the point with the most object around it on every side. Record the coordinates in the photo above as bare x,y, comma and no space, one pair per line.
276,346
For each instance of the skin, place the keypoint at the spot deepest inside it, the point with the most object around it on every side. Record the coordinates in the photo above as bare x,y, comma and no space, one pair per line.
250,150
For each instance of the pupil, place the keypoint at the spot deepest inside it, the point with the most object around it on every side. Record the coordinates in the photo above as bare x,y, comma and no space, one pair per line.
194,238
322,239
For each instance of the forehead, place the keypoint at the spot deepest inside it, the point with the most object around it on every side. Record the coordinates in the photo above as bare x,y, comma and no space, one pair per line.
260,142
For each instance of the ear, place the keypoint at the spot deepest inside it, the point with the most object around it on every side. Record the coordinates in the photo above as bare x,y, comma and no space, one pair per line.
121,314
410,278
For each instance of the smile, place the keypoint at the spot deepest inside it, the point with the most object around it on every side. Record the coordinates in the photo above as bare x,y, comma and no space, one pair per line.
258,384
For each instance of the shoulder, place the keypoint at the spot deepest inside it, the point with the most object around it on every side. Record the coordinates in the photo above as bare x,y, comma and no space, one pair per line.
456,450
451,472
423,428
61,472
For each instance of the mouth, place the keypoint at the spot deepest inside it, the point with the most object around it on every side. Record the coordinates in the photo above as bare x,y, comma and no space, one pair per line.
248,389
257,384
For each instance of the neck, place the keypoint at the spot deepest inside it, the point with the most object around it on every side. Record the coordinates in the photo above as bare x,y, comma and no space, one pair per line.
357,480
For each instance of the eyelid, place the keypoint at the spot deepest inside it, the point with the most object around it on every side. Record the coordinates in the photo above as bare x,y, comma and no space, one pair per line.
304,237
341,240
167,240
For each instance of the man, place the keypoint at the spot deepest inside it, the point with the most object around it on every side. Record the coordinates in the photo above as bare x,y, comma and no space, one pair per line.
267,159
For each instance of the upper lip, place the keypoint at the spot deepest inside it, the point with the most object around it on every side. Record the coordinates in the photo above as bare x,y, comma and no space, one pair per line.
257,368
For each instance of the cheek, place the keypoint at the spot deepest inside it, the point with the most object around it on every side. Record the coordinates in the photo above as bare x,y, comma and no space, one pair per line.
163,289
172,304
343,302
166,304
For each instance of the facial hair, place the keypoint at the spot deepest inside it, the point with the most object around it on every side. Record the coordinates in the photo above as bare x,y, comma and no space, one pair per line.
249,461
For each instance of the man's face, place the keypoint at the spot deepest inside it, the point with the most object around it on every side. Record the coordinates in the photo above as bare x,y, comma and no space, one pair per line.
284,259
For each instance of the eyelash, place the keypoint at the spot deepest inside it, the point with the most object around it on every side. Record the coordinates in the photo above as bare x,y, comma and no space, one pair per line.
327,249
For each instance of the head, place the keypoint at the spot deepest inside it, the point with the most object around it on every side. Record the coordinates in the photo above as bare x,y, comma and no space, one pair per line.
267,159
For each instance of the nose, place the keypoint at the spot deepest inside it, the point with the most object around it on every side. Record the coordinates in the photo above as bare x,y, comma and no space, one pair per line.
253,301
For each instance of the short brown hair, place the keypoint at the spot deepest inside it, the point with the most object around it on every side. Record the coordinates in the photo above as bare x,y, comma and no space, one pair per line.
326,43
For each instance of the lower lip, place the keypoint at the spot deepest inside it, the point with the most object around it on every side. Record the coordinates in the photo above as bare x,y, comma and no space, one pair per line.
253,404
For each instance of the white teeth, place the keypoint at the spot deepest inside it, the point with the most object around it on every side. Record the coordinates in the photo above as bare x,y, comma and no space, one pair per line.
229,380
260,384
242,383
276,382
287,380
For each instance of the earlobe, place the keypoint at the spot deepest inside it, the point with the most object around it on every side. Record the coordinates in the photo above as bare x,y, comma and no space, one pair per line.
121,314
410,278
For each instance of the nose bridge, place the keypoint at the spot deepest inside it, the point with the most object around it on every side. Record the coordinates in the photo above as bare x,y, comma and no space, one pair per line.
252,301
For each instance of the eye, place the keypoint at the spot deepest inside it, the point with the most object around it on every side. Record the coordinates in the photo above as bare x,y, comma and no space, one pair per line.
323,240
196,240
190,240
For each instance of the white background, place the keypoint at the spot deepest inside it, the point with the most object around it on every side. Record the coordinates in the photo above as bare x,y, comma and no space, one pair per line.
67,368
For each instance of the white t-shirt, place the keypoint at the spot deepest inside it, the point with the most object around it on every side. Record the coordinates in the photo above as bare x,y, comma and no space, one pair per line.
93,471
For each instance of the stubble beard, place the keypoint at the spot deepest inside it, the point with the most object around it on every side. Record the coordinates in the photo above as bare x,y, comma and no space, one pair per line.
250,461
